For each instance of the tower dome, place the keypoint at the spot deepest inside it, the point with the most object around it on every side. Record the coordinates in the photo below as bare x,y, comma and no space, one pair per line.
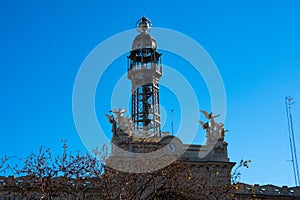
144,40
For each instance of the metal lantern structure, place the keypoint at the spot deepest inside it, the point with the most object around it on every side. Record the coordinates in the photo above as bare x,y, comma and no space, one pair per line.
144,71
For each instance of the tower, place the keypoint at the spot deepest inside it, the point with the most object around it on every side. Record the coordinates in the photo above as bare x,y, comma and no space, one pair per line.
144,72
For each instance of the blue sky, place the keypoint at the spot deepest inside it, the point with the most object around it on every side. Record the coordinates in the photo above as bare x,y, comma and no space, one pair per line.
255,45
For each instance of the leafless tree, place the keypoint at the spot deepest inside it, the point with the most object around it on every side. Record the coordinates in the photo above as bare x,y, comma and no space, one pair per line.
4,164
86,176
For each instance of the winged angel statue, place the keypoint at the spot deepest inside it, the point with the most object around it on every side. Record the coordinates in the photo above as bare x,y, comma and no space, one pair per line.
213,129
124,123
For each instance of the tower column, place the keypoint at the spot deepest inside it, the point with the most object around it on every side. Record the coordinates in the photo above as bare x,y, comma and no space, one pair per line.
144,71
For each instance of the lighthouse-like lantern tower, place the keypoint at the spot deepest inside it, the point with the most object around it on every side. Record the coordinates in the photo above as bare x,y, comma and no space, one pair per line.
144,71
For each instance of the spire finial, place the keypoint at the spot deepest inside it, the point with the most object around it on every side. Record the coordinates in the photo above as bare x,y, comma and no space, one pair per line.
143,25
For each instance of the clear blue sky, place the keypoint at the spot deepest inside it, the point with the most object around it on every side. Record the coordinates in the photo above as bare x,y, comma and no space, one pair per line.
255,45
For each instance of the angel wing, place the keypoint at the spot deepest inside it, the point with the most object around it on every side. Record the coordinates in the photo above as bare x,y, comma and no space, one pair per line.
122,111
114,110
201,122
216,116
107,116
119,111
206,114
204,125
